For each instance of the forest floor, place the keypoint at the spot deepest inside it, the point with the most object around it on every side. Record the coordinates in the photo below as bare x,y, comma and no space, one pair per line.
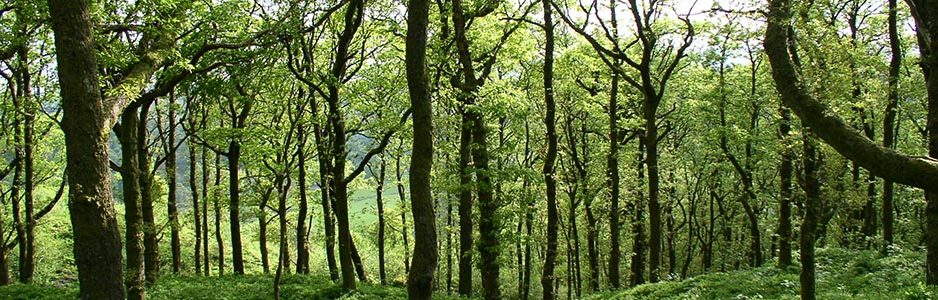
842,274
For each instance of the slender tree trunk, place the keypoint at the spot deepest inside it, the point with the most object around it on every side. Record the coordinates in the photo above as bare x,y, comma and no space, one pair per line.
196,213
262,227
234,205
130,175
812,191
151,251
889,120
205,196
550,121
785,192
654,207
171,205
218,235
379,198
465,208
612,173
27,261
325,185
420,279
637,264
302,245
404,230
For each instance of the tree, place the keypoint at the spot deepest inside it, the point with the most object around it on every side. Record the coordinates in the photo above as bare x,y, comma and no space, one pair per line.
86,120
547,276
423,265
881,161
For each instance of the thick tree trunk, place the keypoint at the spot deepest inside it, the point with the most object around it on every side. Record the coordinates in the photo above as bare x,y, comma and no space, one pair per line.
85,123
130,178
420,278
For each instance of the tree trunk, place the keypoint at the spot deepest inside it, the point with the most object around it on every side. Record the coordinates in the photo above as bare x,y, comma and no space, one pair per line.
550,121
654,207
637,264
379,198
85,124
302,246
812,189
889,120
218,235
205,196
785,192
27,257
171,205
234,205
420,279
262,228
130,178
196,213
404,230
151,247
612,172
465,207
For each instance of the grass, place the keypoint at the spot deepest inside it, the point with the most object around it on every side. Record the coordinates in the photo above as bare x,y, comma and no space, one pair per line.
249,287
841,274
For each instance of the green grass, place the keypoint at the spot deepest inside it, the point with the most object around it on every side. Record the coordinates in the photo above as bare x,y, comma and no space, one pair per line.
250,287
841,274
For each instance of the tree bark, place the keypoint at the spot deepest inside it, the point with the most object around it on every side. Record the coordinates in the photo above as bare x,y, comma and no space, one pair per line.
86,124
130,178
151,250
218,236
234,205
785,190
637,263
889,120
171,205
379,199
196,213
612,173
420,278
812,189
404,229
302,244
550,121
465,208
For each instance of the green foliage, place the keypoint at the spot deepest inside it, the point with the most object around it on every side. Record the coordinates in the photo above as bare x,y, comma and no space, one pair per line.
251,287
842,274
